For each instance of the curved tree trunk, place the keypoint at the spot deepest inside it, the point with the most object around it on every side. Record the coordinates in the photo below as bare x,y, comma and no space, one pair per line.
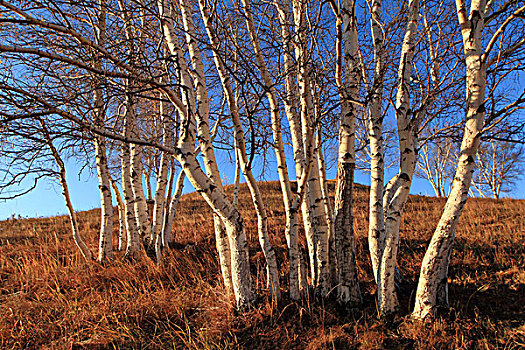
201,112
211,191
397,190
271,263
314,215
432,287
65,192
121,215
217,199
298,274
170,213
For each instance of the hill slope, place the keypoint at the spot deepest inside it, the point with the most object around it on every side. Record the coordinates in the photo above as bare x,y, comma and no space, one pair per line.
51,298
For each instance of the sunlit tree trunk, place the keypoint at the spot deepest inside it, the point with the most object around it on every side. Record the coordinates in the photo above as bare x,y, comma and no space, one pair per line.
328,209
292,206
65,192
106,215
236,181
396,192
269,253
348,291
166,236
211,192
121,215
147,178
140,204
129,121
174,201
206,147
201,111
133,236
432,289
291,229
162,181
376,228
314,215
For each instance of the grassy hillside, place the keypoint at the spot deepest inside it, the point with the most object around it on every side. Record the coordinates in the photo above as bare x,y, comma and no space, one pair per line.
50,298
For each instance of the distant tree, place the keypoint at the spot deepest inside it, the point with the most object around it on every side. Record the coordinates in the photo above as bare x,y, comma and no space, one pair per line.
500,165
436,164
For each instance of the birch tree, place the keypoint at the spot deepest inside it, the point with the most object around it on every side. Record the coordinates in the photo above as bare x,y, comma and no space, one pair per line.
84,249
106,220
499,166
348,291
432,290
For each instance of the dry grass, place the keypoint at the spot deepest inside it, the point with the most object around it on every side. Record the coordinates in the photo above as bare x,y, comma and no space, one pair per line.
50,298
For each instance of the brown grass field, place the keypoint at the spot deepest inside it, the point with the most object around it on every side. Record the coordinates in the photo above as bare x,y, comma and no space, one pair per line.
50,298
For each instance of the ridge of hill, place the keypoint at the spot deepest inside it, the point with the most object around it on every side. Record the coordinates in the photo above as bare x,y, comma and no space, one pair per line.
50,298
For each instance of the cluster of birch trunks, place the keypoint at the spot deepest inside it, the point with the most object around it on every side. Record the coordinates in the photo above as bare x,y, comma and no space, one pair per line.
108,45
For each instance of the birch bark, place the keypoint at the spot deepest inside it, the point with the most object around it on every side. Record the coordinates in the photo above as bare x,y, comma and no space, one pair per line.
140,205
133,238
174,201
376,227
269,253
86,253
160,191
121,215
432,289
348,291
314,216
298,274
397,190
187,90
106,211
330,218
211,192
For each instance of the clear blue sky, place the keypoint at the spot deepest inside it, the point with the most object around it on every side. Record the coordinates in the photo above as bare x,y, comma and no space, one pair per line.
47,200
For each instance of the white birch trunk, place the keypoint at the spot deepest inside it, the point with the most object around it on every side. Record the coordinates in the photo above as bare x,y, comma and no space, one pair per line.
159,208
86,253
328,210
121,215
147,179
432,287
236,181
320,232
298,274
271,263
204,139
397,190
291,230
212,192
140,205
133,236
106,214
216,198
129,199
106,210
314,216
166,236
172,207
376,227
348,291
160,191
